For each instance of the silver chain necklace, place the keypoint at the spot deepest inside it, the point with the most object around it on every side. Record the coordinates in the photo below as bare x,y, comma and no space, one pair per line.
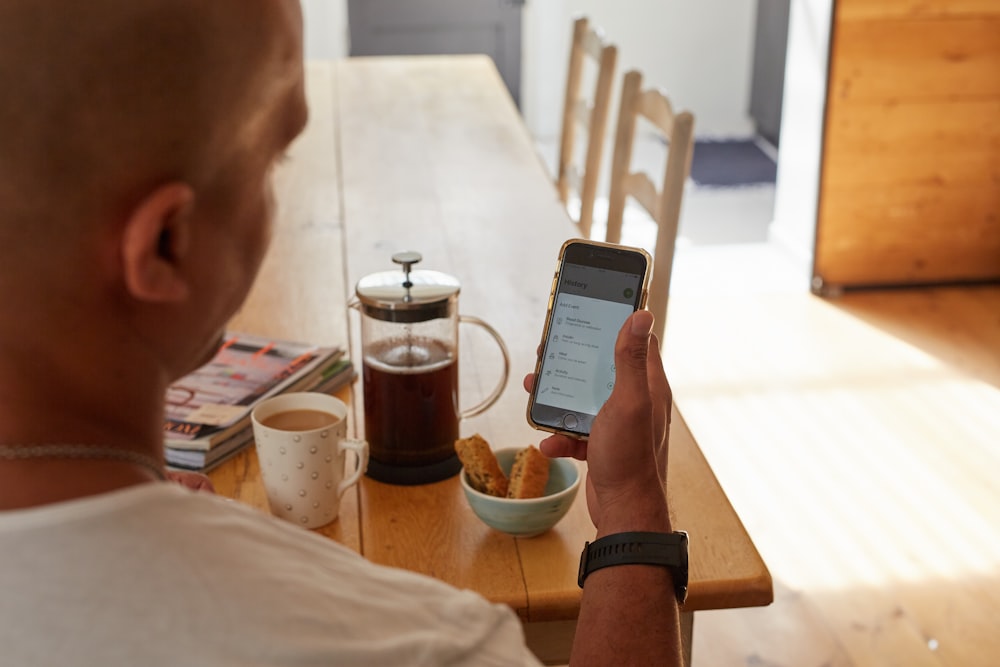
93,452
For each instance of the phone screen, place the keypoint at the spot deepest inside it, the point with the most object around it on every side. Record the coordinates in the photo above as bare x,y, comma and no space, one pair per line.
597,288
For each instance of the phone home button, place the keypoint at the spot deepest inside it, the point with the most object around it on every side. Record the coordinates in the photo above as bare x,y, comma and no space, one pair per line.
570,421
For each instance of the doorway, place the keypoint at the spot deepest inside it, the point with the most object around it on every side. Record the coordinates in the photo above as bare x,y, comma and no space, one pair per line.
423,27
768,82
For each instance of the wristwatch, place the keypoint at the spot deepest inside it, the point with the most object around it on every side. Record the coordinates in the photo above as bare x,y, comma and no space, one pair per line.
667,549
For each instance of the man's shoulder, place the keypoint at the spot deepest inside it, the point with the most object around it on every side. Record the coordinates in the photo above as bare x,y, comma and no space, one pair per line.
207,564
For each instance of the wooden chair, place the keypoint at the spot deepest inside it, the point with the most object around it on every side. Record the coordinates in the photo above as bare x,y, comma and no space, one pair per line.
663,205
591,114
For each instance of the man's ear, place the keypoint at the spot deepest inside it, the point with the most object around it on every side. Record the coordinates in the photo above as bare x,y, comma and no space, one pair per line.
155,243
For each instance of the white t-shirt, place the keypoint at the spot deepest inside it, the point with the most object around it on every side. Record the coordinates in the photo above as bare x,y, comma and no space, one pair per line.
158,575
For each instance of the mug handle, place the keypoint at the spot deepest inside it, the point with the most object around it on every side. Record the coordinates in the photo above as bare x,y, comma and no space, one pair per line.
360,449
495,395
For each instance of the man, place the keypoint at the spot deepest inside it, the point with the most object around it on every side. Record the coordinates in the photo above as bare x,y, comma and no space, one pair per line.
137,139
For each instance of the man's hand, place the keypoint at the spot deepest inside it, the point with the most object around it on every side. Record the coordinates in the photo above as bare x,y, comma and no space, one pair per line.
192,480
626,453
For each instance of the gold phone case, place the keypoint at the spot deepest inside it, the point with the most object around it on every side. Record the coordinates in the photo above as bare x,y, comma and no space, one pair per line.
548,319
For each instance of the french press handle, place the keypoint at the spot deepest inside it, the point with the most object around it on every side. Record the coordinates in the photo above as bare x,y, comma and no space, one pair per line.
495,395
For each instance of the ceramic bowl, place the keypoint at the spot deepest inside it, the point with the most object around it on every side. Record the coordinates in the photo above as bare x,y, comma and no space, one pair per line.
530,516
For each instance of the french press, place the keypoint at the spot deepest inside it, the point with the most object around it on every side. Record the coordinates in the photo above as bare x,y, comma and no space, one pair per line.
409,341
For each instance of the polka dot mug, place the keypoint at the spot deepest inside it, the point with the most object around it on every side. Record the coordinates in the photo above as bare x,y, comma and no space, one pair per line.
302,442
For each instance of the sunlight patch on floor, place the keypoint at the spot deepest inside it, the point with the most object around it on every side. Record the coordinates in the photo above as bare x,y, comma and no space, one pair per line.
836,494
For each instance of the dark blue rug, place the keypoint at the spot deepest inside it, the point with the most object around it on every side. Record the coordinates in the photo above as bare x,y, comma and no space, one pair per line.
731,163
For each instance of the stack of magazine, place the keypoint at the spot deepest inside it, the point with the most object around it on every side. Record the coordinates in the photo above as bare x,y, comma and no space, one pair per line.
208,411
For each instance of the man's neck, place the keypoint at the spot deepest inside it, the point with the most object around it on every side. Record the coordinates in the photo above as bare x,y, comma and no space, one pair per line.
37,482
119,411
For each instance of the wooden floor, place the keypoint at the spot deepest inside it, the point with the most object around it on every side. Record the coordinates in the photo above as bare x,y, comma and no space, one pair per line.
859,440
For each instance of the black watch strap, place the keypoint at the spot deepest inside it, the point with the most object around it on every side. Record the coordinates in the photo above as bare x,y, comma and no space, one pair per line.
667,549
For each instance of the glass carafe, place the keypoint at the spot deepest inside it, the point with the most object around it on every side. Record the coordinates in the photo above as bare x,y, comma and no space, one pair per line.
409,340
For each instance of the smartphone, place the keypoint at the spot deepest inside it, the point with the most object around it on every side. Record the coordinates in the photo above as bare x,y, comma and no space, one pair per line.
596,287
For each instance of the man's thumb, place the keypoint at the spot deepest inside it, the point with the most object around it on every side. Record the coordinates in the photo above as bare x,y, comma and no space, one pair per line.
642,323
632,346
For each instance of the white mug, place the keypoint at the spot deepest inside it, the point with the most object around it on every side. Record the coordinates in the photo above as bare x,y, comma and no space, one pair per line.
301,441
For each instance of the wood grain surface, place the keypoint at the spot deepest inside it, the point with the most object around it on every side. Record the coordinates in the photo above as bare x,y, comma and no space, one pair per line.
911,152
860,439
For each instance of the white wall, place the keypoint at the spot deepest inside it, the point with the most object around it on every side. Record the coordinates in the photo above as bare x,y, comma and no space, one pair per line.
326,28
803,109
700,53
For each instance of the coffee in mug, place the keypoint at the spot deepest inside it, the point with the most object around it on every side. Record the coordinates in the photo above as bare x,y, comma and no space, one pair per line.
300,420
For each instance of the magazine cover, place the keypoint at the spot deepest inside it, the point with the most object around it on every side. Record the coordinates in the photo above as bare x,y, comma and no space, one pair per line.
246,369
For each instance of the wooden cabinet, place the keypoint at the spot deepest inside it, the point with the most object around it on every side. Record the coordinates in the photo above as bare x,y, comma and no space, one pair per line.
910,174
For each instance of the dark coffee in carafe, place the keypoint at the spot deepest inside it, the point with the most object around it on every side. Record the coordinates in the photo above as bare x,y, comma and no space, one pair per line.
411,401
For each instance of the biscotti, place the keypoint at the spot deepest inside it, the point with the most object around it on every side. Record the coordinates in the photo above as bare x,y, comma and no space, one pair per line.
481,467
529,475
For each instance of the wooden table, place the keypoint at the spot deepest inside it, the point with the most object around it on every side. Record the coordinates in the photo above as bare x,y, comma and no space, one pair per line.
430,154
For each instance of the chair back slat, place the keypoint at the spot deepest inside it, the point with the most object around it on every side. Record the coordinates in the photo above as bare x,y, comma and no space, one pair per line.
593,44
656,108
640,187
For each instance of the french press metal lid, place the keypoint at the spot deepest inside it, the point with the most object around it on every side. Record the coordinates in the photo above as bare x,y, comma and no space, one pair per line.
407,295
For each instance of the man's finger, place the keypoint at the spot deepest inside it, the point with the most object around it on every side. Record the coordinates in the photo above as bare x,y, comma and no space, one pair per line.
556,446
659,387
662,399
631,355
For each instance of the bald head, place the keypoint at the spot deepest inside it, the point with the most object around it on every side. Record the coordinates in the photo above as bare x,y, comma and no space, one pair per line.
104,99
137,143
